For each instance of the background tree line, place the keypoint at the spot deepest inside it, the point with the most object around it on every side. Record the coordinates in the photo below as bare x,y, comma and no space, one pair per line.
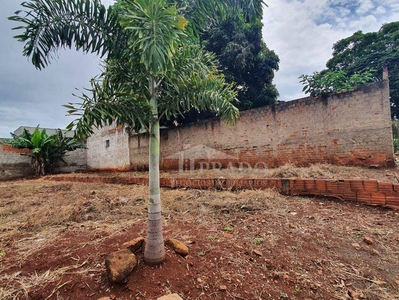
358,59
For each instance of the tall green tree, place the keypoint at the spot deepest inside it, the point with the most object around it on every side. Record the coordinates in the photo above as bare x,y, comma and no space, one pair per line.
153,69
365,53
244,58
234,33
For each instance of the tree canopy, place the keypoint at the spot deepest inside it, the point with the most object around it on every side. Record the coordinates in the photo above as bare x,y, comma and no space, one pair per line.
365,53
234,35
245,59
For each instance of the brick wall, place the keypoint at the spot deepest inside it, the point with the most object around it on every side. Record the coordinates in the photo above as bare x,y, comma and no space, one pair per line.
15,163
348,128
369,192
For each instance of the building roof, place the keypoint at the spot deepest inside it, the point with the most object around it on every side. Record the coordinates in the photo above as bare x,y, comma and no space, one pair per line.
49,131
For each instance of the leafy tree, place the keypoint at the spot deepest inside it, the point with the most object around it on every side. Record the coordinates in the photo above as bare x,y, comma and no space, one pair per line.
235,36
153,69
244,59
370,52
331,82
46,150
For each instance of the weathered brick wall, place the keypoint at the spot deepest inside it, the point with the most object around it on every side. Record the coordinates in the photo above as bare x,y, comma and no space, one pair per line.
370,192
14,163
349,128
108,149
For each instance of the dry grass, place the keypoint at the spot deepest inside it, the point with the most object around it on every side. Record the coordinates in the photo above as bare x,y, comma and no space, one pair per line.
326,171
32,225
19,285
305,235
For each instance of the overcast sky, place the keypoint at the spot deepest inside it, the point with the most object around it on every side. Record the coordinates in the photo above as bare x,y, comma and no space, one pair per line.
301,32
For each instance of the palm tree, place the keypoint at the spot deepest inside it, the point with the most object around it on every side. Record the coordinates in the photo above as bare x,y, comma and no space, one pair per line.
153,69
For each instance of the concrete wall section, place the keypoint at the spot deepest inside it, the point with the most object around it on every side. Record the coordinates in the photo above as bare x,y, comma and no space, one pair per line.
14,163
139,146
75,161
108,149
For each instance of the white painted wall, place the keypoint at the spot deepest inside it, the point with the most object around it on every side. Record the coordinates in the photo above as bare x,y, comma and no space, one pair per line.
108,149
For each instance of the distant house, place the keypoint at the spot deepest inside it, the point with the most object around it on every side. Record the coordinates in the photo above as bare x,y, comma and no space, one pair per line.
49,131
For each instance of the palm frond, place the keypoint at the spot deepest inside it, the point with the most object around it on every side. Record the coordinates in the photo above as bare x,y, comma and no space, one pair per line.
48,25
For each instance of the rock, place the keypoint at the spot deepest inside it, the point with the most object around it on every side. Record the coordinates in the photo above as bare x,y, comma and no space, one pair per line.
120,264
177,246
356,246
222,288
258,253
170,297
368,240
104,298
135,245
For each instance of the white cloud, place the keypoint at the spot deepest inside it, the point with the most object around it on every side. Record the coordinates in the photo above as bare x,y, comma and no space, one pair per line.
31,97
302,33
365,6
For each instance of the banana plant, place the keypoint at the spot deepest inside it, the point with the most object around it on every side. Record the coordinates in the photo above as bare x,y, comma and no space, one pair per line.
45,150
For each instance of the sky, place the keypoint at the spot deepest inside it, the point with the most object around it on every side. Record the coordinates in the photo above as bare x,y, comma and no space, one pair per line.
301,32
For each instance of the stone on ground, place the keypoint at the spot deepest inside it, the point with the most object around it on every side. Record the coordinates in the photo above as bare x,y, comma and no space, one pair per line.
177,246
135,244
120,264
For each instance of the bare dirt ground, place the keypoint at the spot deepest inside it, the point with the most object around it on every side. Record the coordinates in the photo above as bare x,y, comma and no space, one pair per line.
54,237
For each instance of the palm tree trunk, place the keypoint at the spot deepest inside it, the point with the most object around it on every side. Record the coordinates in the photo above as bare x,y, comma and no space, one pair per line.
154,252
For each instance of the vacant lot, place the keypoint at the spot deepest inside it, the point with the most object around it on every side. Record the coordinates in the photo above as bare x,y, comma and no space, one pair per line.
250,244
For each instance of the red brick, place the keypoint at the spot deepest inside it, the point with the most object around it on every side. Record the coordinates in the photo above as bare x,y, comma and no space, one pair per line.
357,185
310,184
262,184
378,199
395,207
8,148
344,186
321,186
396,188
297,184
332,186
363,197
392,200
350,196
201,183
165,182
385,187
370,185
